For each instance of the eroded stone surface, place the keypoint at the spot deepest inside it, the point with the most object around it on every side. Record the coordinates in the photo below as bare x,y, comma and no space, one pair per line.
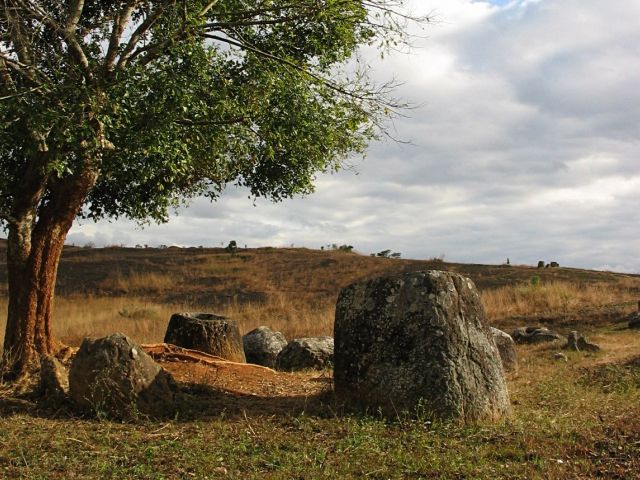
114,376
262,346
418,340
306,353
207,333
507,348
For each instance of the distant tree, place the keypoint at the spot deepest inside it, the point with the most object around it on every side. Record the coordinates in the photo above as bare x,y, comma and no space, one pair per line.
395,255
383,253
232,247
127,108
342,248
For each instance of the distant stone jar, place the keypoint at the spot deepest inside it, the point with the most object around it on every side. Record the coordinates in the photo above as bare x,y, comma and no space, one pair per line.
418,342
208,333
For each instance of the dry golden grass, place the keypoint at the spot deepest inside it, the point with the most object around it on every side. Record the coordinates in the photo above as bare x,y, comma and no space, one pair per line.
554,298
148,282
297,315
135,291
146,321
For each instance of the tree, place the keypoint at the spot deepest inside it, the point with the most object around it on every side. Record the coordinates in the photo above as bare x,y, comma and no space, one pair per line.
130,108
232,247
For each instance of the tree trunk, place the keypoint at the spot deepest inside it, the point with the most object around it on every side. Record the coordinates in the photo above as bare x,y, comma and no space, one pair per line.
33,255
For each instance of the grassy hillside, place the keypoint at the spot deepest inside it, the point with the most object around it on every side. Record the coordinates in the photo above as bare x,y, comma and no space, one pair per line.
136,290
578,419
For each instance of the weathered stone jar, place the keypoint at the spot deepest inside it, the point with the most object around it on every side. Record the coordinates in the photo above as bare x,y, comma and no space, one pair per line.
207,333
417,341
114,376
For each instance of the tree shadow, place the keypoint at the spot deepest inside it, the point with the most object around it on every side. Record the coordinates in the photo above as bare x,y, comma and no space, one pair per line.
193,402
197,401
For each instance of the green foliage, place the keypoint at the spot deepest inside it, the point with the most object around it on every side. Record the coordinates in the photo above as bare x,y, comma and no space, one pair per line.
251,93
535,280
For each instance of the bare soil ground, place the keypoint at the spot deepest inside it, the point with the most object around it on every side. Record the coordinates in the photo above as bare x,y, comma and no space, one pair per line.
233,387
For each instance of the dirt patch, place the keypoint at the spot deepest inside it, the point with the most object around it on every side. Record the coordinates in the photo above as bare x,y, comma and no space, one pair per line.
247,379
214,385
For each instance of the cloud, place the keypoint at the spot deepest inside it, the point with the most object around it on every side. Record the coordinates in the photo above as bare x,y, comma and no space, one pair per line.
525,140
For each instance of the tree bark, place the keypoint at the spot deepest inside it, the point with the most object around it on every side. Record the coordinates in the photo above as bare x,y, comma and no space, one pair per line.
34,250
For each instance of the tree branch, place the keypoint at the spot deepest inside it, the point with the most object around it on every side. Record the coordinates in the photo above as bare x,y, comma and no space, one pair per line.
230,121
22,69
18,33
74,14
67,36
140,32
208,7
370,97
119,25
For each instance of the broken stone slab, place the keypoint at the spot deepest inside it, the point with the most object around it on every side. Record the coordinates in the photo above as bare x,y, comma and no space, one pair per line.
579,343
113,376
208,333
262,346
572,341
506,348
306,353
418,342
585,346
533,335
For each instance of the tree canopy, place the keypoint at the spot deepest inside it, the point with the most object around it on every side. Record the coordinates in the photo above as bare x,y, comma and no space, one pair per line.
171,99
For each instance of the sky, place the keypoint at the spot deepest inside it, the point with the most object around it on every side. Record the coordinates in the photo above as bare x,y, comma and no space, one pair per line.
524,144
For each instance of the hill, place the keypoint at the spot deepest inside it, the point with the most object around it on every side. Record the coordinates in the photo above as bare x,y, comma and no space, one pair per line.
294,289
575,418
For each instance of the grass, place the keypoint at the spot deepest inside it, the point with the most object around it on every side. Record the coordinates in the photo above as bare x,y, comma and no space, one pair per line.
146,321
556,298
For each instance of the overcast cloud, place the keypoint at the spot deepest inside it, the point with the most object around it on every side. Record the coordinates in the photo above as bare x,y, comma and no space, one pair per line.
525,144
